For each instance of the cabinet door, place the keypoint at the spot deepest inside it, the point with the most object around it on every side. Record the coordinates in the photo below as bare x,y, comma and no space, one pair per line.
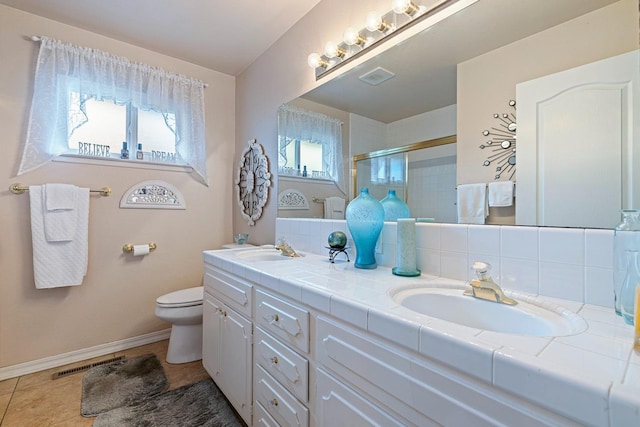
226,353
337,406
211,322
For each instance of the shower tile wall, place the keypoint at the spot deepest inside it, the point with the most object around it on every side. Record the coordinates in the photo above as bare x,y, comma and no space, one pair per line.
432,188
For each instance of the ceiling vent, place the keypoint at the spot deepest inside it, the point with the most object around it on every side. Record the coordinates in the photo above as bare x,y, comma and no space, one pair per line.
376,76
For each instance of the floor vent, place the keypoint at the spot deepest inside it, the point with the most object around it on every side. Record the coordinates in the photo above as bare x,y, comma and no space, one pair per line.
83,368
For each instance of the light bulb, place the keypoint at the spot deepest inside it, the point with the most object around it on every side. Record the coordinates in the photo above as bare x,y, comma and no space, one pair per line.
351,37
332,50
373,21
314,60
404,6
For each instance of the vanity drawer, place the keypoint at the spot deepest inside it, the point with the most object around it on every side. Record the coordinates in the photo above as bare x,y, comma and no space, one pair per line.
279,403
231,290
284,364
286,321
261,417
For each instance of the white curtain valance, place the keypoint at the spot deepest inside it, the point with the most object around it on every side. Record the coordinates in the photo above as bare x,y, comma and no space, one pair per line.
298,124
63,68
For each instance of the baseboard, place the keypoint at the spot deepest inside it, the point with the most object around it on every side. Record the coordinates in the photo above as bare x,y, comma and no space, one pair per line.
80,355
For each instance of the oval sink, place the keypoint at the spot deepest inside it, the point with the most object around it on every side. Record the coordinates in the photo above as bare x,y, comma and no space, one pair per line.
525,318
261,254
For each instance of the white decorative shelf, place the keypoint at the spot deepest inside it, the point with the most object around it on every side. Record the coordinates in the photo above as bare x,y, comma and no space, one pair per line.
292,199
152,195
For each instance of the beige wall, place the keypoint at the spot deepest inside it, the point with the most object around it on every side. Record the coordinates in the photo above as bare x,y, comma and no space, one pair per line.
280,75
117,299
485,89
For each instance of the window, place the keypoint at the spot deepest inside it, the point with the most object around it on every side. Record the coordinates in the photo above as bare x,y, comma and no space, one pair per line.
388,169
303,155
310,139
99,127
86,95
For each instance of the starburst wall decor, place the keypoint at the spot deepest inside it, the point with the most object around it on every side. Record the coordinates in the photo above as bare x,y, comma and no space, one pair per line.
502,144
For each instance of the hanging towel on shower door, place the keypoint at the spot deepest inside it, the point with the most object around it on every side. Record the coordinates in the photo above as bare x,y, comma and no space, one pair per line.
334,208
59,262
472,203
500,193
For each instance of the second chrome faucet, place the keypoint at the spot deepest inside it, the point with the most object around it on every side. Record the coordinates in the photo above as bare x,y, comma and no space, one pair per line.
483,286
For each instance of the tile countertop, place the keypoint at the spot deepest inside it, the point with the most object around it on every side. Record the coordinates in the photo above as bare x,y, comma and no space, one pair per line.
593,376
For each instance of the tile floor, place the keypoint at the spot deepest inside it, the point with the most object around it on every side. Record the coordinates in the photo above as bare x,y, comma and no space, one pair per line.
36,400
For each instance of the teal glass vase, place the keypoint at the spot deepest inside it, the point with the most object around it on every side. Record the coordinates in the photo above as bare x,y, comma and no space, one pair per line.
365,218
394,208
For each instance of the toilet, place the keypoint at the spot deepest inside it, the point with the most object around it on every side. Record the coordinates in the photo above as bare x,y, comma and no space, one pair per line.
183,309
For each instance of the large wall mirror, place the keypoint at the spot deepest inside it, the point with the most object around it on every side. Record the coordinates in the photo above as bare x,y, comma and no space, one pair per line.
452,78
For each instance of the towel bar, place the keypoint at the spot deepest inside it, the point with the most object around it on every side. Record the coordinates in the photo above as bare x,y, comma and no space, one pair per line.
18,188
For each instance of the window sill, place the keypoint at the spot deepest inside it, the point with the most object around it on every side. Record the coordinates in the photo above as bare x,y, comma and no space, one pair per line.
122,163
304,179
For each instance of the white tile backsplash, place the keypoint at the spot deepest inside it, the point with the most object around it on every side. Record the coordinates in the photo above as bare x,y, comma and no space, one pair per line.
573,264
562,245
519,242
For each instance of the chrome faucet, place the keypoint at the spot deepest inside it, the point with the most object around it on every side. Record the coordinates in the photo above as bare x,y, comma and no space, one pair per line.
485,288
285,249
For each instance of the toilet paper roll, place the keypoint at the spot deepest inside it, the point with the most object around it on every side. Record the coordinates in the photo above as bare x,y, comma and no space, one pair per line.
140,250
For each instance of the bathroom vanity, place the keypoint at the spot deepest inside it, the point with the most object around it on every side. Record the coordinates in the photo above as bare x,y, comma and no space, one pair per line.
306,342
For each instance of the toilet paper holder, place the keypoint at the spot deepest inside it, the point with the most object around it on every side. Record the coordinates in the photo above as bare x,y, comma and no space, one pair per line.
128,248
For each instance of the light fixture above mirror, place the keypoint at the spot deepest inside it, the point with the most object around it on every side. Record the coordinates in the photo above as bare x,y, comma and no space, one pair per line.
379,27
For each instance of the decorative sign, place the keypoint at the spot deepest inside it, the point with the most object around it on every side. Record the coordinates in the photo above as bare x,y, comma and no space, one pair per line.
252,182
152,195
292,199
163,156
89,149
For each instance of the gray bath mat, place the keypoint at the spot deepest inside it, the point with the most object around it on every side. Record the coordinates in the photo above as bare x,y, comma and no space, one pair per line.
121,383
200,404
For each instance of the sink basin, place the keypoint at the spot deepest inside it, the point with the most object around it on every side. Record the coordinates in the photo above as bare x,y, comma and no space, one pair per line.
529,317
261,254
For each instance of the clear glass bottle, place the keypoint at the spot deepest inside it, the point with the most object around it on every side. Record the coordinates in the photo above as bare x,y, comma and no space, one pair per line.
626,236
628,289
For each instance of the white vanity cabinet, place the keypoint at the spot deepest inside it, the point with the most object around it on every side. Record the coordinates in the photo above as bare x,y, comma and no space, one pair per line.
281,352
376,380
228,337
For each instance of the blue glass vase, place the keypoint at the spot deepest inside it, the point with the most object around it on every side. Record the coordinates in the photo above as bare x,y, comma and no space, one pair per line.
365,218
394,208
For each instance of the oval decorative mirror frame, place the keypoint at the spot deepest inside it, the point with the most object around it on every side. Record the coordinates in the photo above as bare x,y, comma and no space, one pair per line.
252,182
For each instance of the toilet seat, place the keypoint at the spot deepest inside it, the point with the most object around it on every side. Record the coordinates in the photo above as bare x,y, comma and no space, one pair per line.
182,298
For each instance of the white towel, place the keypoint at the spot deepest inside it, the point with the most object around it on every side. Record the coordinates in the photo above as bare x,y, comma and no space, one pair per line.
501,193
59,263
334,208
472,203
60,213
